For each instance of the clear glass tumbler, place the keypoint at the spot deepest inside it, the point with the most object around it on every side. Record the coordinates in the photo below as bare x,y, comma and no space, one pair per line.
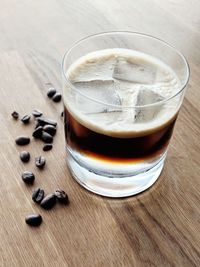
122,93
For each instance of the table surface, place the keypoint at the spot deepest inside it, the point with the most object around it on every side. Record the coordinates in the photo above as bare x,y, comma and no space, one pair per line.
159,227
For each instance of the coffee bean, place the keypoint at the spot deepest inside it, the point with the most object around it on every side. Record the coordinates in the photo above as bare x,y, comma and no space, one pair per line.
57,97
22,140
38,195
37,113
47,138
15,115
50,129
40,162
25,119
37,132
47,147
43,121
24,156
48,202
28,177
33,219
51,92
62,197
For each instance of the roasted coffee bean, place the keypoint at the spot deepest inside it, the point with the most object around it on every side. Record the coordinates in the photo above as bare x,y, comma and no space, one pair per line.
48,202
47,138
37,113
38,132
22,140
51,92
15,115
28,177
33,219
25,119
43,121
62,197
50,129
47,147
24,156
40,162
57,97
38,195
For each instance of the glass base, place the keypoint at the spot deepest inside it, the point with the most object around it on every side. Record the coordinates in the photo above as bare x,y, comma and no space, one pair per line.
115,187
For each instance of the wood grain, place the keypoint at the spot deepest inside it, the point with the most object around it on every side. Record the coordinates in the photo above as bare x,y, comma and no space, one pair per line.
159,227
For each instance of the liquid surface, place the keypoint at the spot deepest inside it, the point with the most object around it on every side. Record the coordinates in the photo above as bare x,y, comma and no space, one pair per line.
121,83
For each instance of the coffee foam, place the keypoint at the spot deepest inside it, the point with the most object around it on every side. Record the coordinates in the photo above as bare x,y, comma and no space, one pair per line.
122,121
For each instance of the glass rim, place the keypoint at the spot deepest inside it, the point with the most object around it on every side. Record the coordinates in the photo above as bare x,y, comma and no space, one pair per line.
76,43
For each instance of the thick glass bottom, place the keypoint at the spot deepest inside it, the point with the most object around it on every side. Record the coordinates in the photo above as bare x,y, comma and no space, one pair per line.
118,185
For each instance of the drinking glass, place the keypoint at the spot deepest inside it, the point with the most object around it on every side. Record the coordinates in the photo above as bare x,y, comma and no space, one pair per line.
118,163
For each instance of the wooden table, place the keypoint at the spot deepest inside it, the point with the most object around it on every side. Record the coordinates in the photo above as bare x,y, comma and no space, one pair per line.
160,227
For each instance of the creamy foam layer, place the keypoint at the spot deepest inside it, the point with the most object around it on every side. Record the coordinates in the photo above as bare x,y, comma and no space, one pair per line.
119,79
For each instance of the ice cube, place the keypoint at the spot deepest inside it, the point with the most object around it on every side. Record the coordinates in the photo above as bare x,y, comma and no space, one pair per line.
100,90
134,72
93,70
146,96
